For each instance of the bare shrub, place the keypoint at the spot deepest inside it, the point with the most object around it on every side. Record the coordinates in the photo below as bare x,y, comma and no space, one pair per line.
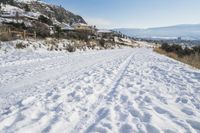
41,29
5,37
51,49
51,41
102,43
20,46
70,48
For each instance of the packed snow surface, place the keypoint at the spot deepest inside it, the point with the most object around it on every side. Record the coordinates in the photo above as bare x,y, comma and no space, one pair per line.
124,90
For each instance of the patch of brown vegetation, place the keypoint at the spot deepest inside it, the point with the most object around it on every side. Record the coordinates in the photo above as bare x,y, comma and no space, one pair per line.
193,59
5,37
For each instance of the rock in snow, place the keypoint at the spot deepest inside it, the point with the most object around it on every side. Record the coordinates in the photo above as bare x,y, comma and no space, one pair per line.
126,91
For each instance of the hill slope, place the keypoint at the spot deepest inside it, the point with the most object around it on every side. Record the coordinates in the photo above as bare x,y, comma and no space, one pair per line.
57,12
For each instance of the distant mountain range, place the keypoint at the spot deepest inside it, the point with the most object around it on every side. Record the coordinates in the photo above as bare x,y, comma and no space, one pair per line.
186,31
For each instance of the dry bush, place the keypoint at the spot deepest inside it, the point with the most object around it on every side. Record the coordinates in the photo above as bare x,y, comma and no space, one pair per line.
51,41
51,48
20,46
5,37
102,43
71,48
41,29
193,59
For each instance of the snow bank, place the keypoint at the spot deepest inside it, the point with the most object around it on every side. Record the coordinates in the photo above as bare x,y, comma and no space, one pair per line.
51,44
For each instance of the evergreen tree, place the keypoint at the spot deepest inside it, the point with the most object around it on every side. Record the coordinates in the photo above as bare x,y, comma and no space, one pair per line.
60,18
11,2
45,20
58,31
3,1
27,9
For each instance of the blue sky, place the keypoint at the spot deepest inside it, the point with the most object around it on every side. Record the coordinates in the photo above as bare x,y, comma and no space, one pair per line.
134,13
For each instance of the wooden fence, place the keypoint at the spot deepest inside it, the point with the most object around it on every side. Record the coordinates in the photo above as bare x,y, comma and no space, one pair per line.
23,34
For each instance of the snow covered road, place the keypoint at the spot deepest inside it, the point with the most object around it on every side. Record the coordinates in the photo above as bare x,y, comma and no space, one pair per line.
124,90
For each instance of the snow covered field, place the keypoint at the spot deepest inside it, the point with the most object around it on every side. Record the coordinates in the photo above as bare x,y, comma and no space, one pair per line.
123,90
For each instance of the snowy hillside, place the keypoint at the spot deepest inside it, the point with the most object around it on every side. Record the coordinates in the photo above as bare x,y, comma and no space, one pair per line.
26,1
10,8
123,90
57,13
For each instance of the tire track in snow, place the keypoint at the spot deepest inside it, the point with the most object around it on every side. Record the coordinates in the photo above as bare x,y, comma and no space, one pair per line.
69,76
89,116
58,88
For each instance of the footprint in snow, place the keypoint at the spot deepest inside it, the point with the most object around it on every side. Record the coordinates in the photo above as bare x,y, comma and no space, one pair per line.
194,124
187,111
126,128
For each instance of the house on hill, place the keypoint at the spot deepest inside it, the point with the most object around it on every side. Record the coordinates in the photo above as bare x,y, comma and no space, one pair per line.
81,27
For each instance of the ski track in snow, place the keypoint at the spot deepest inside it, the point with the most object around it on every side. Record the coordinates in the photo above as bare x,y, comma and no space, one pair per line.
125,91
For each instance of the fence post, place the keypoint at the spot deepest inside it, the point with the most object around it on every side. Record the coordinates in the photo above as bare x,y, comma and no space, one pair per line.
9,31
24,34
35,35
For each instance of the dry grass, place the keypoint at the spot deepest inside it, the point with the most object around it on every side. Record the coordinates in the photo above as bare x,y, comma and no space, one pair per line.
5,37
193,60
